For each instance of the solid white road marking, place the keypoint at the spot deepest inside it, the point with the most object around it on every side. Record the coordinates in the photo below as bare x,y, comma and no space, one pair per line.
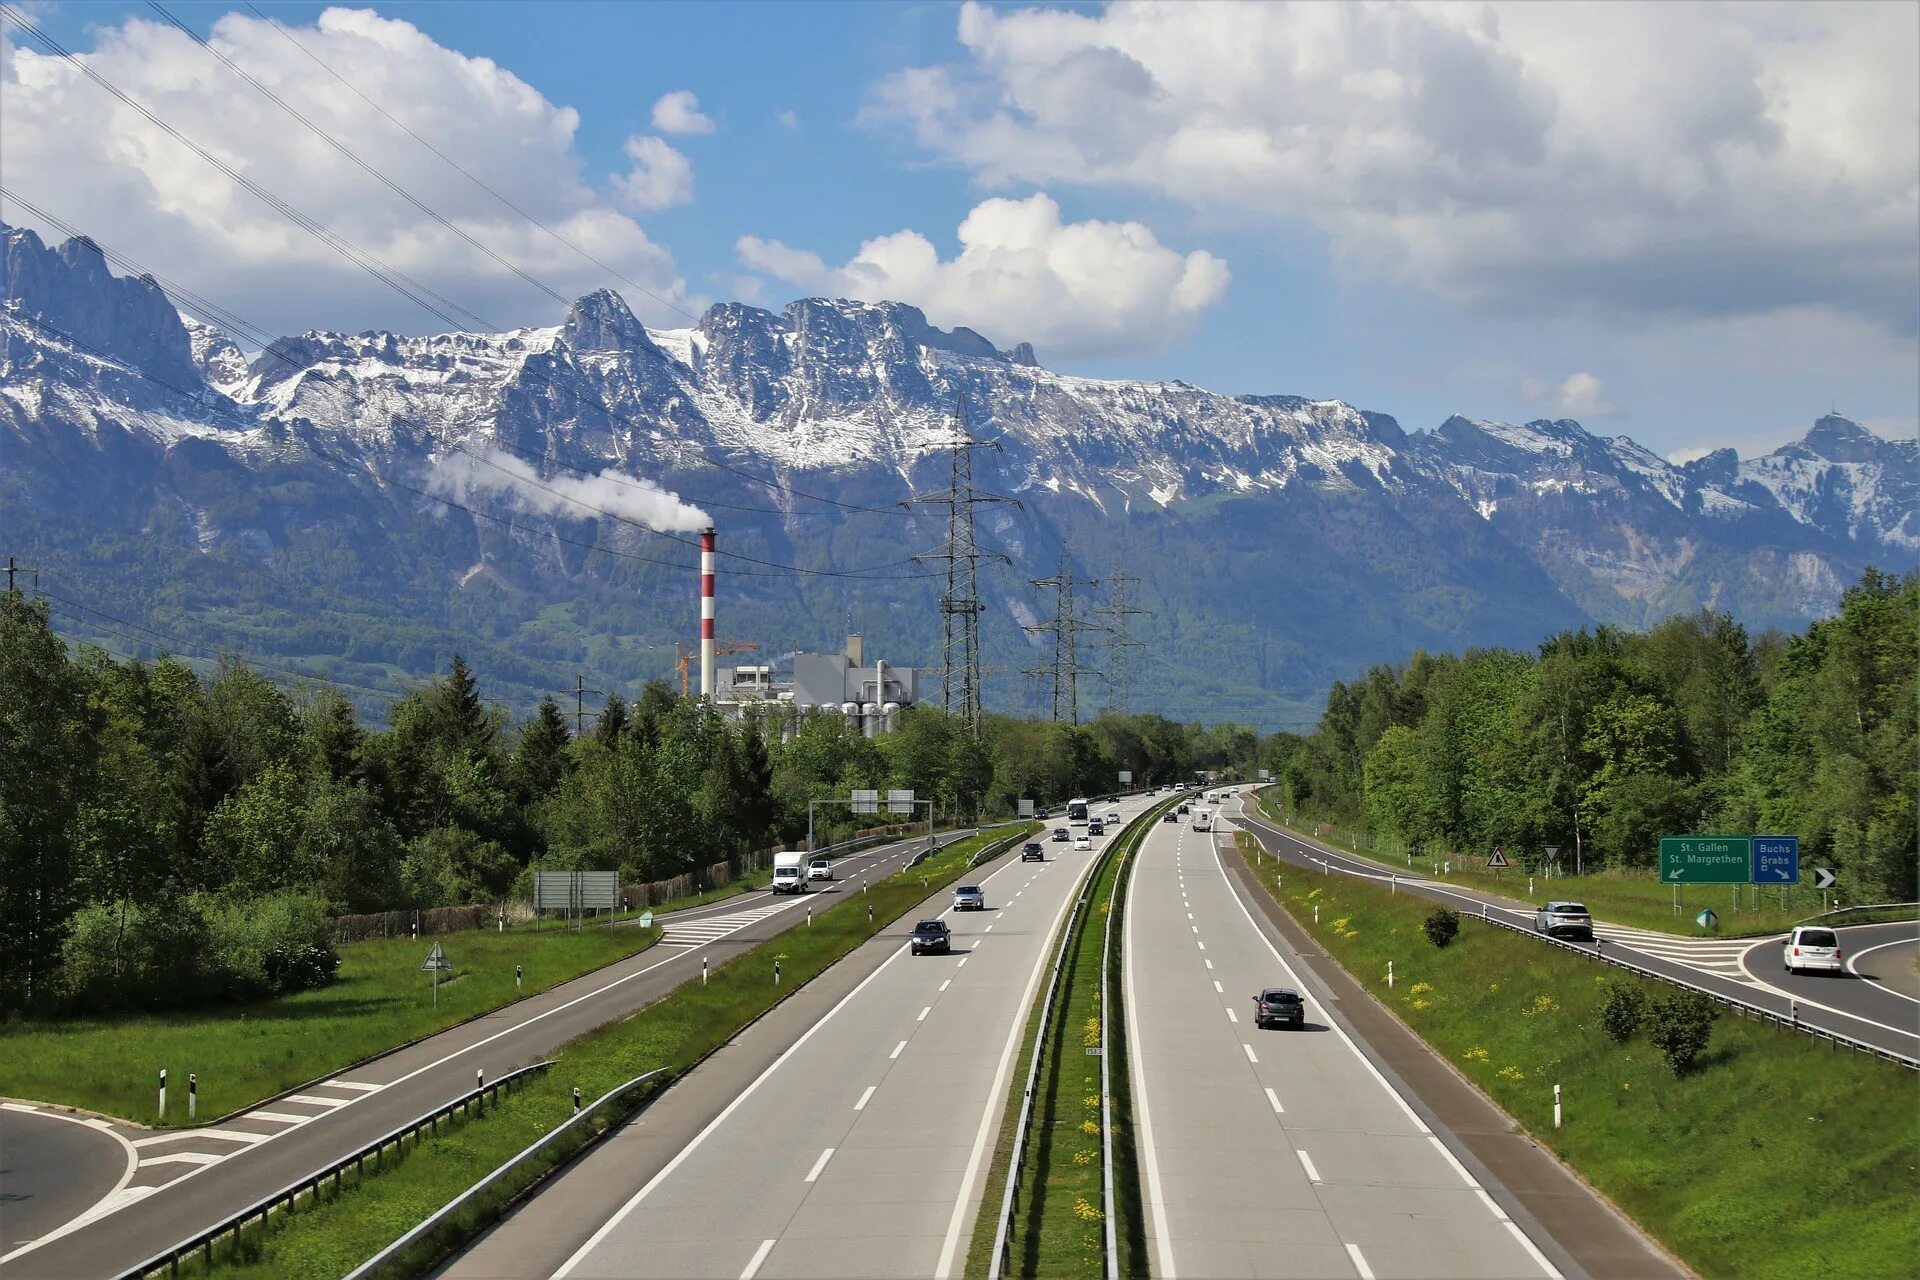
813,1174
229,1135
183,1157
1306,1162
862,1104
897,1051
1852,959
1274,1098
1249,1051
759,1256
1359,1263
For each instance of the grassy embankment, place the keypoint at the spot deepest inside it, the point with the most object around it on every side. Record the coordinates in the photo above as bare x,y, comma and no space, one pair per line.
1059,1223
244,1053
326,1240
1622,895
1776,1156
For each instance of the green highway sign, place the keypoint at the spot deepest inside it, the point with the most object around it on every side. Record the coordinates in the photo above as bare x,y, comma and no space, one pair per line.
1706,859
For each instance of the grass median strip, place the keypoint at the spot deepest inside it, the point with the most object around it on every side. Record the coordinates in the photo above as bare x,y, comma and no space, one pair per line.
327,1240
244,1053
1773,1155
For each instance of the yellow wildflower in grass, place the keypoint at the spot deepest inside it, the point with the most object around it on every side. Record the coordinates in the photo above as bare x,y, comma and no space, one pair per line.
1091,1033
1312,894
1351,934
1089,1127
1542,1003
1420,1004
1511,1073
1493,988
1419,988
1477,1054
1341,924
1084,1157
1091,1102
1087,1211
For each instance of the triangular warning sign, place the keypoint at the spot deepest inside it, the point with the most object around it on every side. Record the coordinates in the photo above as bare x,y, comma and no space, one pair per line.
1498,859
437,959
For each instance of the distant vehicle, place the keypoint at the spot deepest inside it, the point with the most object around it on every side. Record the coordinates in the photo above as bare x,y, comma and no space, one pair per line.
1077,810
1033,852
1113,819
1184,808
932,937
968,897
789,873
1809,948
820,869
1279,1005
1169,816
1096,828
1061,835
1083,842
1564,920
1202,820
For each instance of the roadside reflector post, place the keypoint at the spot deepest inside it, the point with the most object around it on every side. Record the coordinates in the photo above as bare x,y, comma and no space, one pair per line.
1483,911
503,921
1793,1016
1394,881
703,971
1529,886
193,1096
869,913
1389,975
479,1077
1316,913
576,1099
1556,1106
516,979
809,915
776,971
163,1093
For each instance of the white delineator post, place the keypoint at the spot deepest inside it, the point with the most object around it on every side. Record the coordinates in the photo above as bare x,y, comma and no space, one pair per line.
706,613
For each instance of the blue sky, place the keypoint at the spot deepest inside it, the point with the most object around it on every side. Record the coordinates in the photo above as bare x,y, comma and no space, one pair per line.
1460,224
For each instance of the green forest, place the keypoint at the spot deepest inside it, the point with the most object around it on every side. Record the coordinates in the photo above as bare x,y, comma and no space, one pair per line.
172,839
1605,740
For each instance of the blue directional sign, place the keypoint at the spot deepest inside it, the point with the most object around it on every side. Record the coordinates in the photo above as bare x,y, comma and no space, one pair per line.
1776,859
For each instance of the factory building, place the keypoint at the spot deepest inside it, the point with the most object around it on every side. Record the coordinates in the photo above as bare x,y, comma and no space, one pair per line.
823,683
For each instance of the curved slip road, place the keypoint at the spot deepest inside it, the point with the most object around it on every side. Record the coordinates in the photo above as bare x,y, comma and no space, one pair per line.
189,1179
54,1167
847,1134
1728,967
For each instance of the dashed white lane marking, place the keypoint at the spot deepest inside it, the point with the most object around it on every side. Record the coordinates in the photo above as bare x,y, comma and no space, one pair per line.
946,984
1306,1162
1217,987
759,1256
1203,946
1359,1263
989,928
813,1174
923,1014
1249,1049
897,1051
1274,1098
1195,927
1231,1015
1209,964
862,1104
962,964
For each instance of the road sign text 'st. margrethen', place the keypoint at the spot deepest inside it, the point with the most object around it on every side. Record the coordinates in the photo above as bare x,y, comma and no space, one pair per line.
1706,859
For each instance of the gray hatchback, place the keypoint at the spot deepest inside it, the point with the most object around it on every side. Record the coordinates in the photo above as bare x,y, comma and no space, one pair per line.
969,897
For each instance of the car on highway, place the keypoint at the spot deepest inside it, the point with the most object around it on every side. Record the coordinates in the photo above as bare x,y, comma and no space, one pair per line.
1083,842
932,937
1169,816
1113,819
1033,852
1096,828
1184,808
1810,948
820,869
1061,835
1564,920
969,897
1281,1005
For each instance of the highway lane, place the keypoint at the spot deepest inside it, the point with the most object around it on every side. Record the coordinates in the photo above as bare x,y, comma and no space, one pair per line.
861,1150
1275,1153
191,1178
1862,1010
1875,984
54,1167
1887,956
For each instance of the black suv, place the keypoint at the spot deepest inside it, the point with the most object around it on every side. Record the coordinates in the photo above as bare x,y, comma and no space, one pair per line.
932,937
1281,1005
1033,852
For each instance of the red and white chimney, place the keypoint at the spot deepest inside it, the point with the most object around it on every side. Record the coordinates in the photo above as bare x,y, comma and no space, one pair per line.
706,613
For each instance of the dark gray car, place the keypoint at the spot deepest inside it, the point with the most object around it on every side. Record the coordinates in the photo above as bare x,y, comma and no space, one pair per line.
931,937
1279,1006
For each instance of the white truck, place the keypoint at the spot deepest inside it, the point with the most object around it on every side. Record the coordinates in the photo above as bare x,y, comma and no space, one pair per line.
789,872
1202,820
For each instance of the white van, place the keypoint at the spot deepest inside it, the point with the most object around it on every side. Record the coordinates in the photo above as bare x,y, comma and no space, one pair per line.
789,872
1812,947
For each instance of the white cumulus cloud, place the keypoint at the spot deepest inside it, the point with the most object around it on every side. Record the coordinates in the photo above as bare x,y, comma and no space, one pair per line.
1688,160
1071,288
679,112
659,178
87,158
1579,395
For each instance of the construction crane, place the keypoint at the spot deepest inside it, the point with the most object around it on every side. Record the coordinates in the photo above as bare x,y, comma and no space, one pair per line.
721,649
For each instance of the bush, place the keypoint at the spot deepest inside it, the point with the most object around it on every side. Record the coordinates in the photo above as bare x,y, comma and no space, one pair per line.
1680,1026
1620,1014
1442,926
189,950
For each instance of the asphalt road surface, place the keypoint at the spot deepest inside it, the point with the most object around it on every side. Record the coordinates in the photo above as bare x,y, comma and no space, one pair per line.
1279,1152
189,1179
860,1149
1743,969
53,1168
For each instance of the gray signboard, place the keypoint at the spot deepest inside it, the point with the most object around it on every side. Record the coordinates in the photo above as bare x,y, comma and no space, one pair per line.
576,890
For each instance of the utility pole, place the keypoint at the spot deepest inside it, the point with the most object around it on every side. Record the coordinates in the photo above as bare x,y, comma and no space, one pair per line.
1064,628
14,567
960,605
580,692
1119,643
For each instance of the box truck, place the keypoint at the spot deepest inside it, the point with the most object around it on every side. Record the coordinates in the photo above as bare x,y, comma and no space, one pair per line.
789,872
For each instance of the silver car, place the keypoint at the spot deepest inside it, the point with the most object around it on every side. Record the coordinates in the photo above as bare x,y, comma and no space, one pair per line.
968,897
1564,920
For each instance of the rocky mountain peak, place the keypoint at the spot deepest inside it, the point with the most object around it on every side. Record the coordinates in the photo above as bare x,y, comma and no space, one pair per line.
72,290
601,321
1839,439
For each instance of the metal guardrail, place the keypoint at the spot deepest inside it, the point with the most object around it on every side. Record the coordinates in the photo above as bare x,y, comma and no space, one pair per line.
309,1184
1901,909
422,1233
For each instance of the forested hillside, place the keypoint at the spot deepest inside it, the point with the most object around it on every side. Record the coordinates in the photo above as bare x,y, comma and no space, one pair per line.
169,838
1611,738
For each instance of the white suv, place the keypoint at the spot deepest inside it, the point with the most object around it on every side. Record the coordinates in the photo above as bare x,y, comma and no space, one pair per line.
1812,947
820,869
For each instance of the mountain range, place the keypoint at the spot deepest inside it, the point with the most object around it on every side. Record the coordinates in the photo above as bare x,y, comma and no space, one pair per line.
360,506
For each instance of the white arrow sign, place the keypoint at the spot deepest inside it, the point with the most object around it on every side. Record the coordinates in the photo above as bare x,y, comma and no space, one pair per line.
1822,878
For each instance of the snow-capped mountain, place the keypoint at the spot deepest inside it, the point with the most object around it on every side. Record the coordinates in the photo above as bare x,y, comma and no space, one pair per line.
1296,539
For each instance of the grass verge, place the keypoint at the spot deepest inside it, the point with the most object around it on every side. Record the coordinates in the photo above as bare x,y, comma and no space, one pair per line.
1620,895
244,1053
1776,1156
328,1239
1059,1222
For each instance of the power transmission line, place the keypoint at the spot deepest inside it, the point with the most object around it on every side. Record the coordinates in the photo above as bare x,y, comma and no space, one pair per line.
1064,630
1120,644
960,606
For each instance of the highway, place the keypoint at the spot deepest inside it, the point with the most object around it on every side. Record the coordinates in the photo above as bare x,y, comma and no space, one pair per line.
859,1148
187,1179
53,1168
1276,1153
1741,968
